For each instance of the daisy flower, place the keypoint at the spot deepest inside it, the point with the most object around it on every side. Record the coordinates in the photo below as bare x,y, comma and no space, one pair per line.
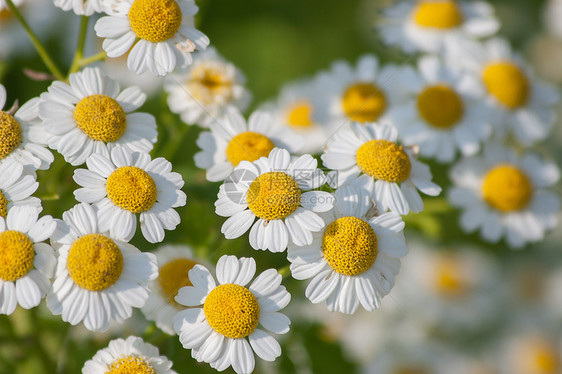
531,350
355,258
125,184
203,91
524,105
230,311
128,356
157,34
92,115
272,189
441,114
27,264
16,187
98,278
501,193
427,25
21,136
233,140
81,7
372,150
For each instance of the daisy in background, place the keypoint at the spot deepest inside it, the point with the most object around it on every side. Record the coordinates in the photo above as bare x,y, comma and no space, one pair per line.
233,140
201,93
126,184
427,25
273,190
158,34
92,115
98,277
27,264
81,7
16,187
222,316
441,115
524,105
503,194
132,355
372,150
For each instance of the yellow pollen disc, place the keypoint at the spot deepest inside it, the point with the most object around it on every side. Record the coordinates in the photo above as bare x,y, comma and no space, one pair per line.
94,262
350,246
384,160
5,15
232,311
507,83
364,102
440,106
507,188
449,279
172,276
438,14
132,189
248,146
16,255
207,83
273,195
10,134
130,365
3,205
155,20
101,118
300,115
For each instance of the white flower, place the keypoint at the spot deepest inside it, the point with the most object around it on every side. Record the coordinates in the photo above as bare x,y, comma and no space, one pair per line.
16,187
524,105
81,7
427,25
125,184
216,332
201,93
92,115
232,140
504,194
355,259
531,349
393,172
158,33
272,189
128,356
98,278
27,264
441,115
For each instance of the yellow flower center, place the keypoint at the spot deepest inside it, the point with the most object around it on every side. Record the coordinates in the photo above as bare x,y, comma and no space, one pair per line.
232,311
132,189
539,356
16,255
448,278
130,365
350,246
248,146
155,20
3,205
101,118
438,14
364,102
507,83
273,195
94,262
10,134
5,15
440,106
384,160
507,188
172,276
300,115
206,83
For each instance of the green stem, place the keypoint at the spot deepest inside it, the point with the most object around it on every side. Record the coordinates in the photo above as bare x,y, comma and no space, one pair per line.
36,43
94,58
75,66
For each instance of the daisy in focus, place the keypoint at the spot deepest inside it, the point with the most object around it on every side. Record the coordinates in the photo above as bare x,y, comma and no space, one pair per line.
222,316
276,190
233,140
16,187
132,355
27,264
98,278
126,184
427,25
157,34
201,93
502,194
372,150
92,115
442,116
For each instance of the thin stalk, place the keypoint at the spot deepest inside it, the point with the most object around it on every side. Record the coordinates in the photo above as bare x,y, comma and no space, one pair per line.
92,59
83,31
